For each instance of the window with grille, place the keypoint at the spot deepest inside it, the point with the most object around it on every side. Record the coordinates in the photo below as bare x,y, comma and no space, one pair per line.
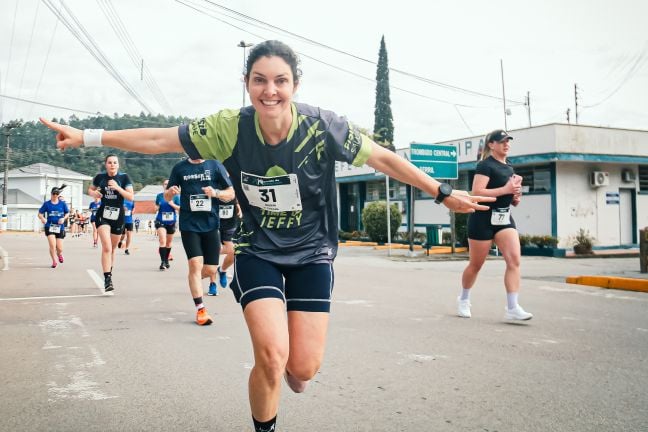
643,178
537,178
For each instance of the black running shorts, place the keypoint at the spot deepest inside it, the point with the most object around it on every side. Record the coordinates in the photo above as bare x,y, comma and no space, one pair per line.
307,287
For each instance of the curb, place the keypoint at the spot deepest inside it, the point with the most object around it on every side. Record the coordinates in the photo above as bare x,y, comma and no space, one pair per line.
611,282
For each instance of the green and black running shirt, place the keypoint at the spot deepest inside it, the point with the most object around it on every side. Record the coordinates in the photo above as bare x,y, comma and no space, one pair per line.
287,192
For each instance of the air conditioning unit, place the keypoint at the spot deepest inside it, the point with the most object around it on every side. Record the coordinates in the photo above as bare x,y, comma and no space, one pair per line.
628,176
599,178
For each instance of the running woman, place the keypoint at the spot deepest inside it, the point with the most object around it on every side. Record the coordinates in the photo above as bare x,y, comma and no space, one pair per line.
165,224
93,207
200,184
53,214
113,188
230,216
281,158
129,207
494,177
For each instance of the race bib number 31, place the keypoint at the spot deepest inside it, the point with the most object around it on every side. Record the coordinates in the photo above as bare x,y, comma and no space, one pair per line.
279,193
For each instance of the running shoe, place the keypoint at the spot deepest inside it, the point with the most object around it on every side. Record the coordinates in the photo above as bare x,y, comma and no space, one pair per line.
212,289
222,278
60,258
108,285
517,314
126,252
166,264
202,318
94,244
296,385
162,266
463,308
119,245
54,264
170,257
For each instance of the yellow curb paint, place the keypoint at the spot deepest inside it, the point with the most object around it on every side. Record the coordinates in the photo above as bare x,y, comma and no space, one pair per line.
620,283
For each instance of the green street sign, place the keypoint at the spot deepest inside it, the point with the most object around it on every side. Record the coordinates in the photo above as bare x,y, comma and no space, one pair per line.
436,160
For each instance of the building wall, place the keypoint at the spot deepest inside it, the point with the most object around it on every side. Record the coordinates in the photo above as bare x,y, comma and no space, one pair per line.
579,205
40,187
533,215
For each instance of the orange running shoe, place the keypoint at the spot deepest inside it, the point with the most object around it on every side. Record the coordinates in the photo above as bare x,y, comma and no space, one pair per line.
202,318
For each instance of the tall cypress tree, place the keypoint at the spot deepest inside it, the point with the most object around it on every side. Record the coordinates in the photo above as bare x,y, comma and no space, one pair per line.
383,120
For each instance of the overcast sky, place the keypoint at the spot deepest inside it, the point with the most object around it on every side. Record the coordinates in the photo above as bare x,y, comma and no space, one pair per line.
546,46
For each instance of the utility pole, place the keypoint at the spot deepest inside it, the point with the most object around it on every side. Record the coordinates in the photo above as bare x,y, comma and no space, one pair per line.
528,106
503,93
576,102
568,116
245,46
7,133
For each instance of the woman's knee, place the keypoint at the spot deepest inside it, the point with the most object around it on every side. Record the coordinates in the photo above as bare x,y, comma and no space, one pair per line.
303,370
271,361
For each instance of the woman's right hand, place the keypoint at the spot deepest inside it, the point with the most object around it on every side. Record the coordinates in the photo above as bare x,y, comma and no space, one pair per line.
66,136
514,186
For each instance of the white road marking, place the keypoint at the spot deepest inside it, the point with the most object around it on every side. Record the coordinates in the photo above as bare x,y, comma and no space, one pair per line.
97,280
50,297
74,364
93,275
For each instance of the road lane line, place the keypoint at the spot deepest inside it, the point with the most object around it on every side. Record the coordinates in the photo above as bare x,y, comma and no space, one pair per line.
50,297
97,280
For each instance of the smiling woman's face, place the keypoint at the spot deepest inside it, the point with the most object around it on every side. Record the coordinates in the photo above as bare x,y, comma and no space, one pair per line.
271,87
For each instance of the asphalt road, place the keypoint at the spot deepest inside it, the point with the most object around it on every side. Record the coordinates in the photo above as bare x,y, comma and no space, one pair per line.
398,359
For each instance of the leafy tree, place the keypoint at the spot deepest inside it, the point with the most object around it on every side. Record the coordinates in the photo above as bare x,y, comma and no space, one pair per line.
383,120
34,143
374,220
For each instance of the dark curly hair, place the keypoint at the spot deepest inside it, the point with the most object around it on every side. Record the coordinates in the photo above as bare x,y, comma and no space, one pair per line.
273,48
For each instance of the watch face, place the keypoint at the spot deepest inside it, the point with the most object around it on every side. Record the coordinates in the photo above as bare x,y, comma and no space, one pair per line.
445,189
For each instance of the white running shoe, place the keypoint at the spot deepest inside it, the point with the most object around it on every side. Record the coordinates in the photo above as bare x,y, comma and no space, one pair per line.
463,308
517,314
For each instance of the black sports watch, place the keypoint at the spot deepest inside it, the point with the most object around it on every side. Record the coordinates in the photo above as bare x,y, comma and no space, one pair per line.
445,190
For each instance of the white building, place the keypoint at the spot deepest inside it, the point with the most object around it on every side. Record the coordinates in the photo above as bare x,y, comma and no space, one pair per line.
574,177
30,186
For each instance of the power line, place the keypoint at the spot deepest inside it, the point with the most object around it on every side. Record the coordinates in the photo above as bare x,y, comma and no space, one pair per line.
75,110
313,42
636,66
304,55
42,73
131,49
92,47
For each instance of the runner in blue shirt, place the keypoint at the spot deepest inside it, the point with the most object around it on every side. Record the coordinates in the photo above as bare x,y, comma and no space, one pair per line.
281,158
93,207
53,214
165,224
200,184
129,207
